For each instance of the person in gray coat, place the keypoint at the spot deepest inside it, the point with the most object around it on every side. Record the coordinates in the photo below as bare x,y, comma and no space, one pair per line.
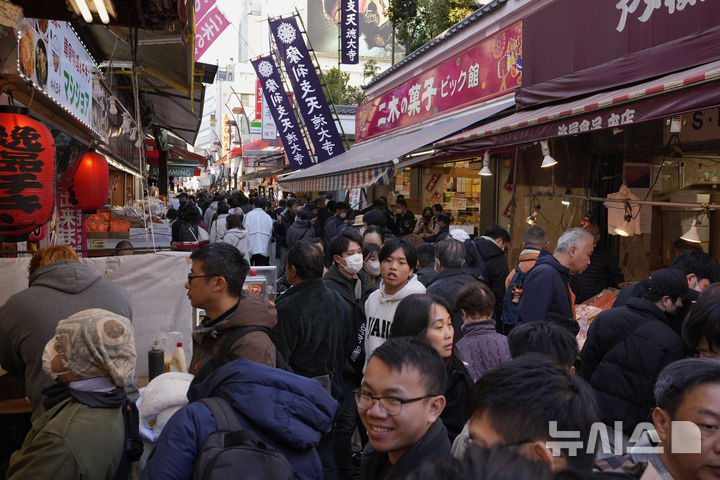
59,286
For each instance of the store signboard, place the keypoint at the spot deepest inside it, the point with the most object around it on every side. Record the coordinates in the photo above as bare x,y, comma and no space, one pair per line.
69,226
269,129
178,171
487,69
53,58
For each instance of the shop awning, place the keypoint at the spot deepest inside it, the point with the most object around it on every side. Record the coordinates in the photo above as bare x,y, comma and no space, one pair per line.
693,89
372,161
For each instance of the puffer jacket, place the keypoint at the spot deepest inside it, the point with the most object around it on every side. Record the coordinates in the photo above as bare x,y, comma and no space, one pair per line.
626,349
482,348
252,309
289,413
546,293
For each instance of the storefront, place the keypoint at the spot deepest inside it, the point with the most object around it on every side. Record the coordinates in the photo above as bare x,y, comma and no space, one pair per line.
651,127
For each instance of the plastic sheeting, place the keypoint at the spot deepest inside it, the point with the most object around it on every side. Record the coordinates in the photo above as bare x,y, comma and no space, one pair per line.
155,283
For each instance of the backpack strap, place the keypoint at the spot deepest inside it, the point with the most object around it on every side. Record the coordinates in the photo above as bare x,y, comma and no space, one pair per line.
238,332
223,413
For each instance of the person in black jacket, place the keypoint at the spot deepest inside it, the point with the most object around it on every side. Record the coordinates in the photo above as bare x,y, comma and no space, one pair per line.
546,294
603,271
405,218
404,428
493,265
628,346
301,229
449,260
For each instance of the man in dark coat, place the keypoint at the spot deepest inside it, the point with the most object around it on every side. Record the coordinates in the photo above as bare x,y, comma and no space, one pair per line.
404,428
603,271
493,265
546,294
405,218
301,229
449,260
426,263
627,348
336,223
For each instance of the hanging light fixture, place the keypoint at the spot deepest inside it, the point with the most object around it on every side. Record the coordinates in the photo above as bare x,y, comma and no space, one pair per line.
624,229
566,200
102,11
485,172
692,234
126,123
532,218
113,108
548,161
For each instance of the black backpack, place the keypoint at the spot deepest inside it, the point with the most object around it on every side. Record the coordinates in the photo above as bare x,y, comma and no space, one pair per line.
233,452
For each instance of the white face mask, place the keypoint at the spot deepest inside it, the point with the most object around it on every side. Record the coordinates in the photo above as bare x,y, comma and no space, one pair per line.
343,215
47,357
362,231
373,268
354,263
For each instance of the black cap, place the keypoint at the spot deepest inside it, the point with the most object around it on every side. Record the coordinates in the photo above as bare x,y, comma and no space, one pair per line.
183,195
375,217
668,281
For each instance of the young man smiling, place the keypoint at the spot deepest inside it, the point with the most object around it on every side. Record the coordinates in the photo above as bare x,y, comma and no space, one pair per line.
399,403
397,264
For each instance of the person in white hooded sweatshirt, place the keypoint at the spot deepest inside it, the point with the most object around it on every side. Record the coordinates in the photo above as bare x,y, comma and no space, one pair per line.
397,264
237,236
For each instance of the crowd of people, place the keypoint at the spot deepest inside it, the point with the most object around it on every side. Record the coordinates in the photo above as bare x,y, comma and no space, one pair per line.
396,348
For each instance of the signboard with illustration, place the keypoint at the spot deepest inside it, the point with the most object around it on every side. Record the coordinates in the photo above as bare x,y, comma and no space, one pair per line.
484,70
53,58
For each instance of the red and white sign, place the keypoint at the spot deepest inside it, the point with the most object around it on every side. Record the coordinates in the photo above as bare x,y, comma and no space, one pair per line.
208,29
487,69
69,226
258,100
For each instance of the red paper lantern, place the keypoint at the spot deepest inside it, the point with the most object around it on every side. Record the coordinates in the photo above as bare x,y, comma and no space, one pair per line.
27,174
90,184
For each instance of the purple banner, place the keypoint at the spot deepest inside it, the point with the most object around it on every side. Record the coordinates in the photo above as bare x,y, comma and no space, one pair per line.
308,91
279,105
349,32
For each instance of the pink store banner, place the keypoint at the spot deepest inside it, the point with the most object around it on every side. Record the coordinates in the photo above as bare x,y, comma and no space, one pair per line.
201,8
487,69
208,29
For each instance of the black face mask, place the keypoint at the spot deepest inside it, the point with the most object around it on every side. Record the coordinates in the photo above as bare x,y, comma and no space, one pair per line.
427,218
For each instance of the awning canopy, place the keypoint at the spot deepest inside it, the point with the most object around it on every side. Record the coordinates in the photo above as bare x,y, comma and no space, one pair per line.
372,161
694,89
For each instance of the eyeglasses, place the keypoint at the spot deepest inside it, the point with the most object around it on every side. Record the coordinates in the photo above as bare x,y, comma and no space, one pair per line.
191,276
390,405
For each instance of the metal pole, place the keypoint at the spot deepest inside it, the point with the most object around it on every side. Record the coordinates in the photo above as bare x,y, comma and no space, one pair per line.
700,206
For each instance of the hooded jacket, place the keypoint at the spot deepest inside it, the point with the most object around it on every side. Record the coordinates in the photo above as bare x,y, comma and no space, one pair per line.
239,239
218,228
626,349
546,292
380,310
526,261
290,413
299,230
28,318
252,309
482,348
433,445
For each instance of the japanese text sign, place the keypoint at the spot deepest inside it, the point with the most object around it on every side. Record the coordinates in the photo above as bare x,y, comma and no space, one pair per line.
27,174
202,7
627,8
69,226
308,92
487,69
258,100
349,31
52,57
279,104
269,130
208,29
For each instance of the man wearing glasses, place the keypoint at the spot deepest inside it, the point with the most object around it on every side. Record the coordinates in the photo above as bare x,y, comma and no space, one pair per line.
399,403
215,284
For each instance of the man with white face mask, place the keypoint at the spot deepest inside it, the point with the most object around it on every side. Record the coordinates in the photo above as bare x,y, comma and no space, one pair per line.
354,286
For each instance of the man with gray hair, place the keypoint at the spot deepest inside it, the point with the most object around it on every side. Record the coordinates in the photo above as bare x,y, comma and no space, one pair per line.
546,293
449,260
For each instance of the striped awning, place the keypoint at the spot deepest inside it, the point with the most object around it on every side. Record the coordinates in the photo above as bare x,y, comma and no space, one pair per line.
673,94
343,181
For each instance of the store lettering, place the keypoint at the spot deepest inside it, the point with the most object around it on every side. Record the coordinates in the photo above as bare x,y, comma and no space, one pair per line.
612,120
18,167
627,7
699,121
80,100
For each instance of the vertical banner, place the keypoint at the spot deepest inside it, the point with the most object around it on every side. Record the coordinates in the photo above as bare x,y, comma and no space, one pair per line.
258,100
279,104
308,91
202,7
207,29
349,32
